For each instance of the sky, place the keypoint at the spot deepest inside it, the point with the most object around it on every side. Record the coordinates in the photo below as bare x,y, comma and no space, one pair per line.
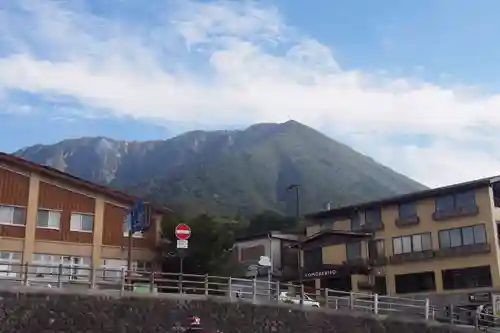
413,84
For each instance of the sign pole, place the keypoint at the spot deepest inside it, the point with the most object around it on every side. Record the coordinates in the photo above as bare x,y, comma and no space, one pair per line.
129,249
181,258
182,233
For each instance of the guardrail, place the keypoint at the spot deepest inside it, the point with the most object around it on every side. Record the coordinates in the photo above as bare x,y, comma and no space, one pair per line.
254,290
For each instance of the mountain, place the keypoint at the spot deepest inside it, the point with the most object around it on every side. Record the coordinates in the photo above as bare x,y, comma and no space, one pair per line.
230,172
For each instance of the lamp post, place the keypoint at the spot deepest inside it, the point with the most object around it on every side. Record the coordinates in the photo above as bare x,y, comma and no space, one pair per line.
296,187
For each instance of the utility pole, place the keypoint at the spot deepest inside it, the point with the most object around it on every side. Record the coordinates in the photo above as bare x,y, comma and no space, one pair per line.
296,187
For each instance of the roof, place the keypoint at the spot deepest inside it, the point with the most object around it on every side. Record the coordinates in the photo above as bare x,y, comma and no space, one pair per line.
346,211
343,233
350,234
271,234
54,173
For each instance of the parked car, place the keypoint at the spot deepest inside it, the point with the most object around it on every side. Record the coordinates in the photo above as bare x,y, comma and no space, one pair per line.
286,297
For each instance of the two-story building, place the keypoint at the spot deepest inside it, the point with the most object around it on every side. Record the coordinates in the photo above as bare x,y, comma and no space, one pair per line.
276,245
48,217
440,241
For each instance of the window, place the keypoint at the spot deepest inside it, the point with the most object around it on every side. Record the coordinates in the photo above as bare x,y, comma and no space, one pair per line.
454,202
142,266
373,217
12,215
462,236
412,243
48,219
76,268
353,251
10,264
376,249
355,222
313,258
46,267
407,210
414,283
112,268
466,278
81,222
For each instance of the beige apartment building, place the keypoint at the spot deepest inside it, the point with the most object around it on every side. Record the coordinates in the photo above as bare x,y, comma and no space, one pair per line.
48,217
441,241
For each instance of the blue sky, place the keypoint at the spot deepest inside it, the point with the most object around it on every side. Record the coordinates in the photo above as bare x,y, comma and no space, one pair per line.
414,84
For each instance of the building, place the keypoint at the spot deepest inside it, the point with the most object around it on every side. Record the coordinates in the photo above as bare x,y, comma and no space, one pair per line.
48,217
275,245
442,242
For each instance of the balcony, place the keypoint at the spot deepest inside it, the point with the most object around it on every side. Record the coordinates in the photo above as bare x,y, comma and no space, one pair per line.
411,257
462,251
357,265
369,228
457,212
407,221
378,261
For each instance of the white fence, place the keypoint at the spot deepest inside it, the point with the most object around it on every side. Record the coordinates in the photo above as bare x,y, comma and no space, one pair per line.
254,290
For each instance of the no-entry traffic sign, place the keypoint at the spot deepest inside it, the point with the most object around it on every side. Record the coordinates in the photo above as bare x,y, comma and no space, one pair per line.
182,231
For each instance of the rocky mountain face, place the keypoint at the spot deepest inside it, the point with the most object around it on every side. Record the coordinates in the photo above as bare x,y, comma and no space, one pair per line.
230,172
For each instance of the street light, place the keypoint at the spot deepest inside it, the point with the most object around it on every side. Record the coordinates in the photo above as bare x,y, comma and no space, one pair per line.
296,187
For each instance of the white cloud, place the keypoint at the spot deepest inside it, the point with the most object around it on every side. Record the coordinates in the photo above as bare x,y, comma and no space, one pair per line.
234,62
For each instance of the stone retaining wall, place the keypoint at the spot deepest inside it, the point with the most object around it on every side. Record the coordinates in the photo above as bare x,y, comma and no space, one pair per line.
44,311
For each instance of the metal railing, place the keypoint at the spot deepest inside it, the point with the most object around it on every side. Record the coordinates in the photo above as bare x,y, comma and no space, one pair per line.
468,316
236,289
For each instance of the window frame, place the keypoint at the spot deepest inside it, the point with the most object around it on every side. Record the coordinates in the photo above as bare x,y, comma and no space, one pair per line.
418,276
355,221
374,243
455,201
359,248
50,212
377,211
48,270
7,265
474,228
407,204
13,214
411,237
80,217
450,281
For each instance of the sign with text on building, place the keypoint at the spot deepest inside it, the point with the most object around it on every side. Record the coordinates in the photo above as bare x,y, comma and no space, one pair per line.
321,274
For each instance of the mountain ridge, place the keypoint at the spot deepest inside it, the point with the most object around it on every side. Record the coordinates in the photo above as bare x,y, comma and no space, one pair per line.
234,172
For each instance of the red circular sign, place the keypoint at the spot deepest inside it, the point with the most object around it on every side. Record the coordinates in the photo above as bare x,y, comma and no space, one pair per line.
182,231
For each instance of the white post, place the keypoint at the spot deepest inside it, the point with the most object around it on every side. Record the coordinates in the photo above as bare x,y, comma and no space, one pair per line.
93,273
122,282
301,294
351,300
375,303
427,310
230,288
254,290
326,298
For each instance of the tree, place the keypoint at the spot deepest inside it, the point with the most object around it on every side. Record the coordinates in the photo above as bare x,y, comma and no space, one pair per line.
269,221
210,244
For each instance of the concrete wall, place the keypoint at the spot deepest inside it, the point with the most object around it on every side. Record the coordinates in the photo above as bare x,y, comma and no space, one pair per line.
32,311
